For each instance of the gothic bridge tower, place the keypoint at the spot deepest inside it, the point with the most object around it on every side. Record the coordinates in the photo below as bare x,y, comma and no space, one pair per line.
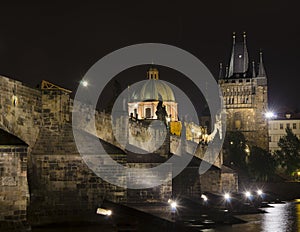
245,92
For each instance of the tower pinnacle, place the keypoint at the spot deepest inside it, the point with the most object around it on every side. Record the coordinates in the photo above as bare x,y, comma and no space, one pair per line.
221,71
253,69
261,69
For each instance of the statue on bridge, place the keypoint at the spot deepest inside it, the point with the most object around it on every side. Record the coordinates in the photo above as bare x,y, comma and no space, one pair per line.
161,112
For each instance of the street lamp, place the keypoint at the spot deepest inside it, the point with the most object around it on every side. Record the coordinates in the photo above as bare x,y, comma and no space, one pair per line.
248,194
199,136
259,192
204,197
104,212
247,149
298,173
270,115
227,196
168,122
173,205
84,83
193,137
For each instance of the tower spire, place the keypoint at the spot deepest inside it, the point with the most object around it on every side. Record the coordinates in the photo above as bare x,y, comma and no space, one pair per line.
261,69
253,69
221,71
239,62
231,65
227,71
246,61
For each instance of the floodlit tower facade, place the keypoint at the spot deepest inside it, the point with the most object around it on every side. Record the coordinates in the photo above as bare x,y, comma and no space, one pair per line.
245,92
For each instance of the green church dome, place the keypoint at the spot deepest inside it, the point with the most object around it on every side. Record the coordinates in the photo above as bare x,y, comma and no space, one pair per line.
153,89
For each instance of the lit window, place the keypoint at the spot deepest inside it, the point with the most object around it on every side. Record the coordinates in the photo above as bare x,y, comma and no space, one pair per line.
240,56
294,126
281,126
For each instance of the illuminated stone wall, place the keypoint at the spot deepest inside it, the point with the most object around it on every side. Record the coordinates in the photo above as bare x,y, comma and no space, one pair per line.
14,194
245,102
20,110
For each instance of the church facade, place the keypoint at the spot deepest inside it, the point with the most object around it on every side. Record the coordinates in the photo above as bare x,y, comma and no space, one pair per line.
245,94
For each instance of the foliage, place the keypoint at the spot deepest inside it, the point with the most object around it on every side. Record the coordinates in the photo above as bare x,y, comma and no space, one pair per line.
234,146
288,157
258,163
262,164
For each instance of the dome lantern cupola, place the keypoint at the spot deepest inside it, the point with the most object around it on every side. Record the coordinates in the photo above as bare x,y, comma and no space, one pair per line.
152,74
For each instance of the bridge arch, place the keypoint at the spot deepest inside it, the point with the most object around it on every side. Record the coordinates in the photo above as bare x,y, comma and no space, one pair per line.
20,109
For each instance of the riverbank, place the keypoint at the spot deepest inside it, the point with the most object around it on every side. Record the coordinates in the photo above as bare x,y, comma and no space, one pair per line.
286,191
278,217
190,214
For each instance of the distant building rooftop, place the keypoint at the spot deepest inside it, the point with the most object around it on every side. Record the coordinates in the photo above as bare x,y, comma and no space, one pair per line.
287,116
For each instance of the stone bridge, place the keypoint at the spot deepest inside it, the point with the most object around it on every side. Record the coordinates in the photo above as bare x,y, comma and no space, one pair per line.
60,183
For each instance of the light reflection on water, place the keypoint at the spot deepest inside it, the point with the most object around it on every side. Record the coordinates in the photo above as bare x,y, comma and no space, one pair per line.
281,218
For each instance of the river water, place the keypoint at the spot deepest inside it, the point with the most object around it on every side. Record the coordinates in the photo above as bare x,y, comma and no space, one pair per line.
279,218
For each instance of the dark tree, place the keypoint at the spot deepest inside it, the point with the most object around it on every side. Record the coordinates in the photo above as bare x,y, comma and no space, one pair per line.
235,149
288,156
261,165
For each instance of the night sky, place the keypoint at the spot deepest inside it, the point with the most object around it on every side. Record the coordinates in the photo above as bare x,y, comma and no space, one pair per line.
60,42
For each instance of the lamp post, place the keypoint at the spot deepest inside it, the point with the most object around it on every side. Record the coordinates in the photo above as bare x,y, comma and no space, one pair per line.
247,150
199,136
270,115
173,205
168,122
